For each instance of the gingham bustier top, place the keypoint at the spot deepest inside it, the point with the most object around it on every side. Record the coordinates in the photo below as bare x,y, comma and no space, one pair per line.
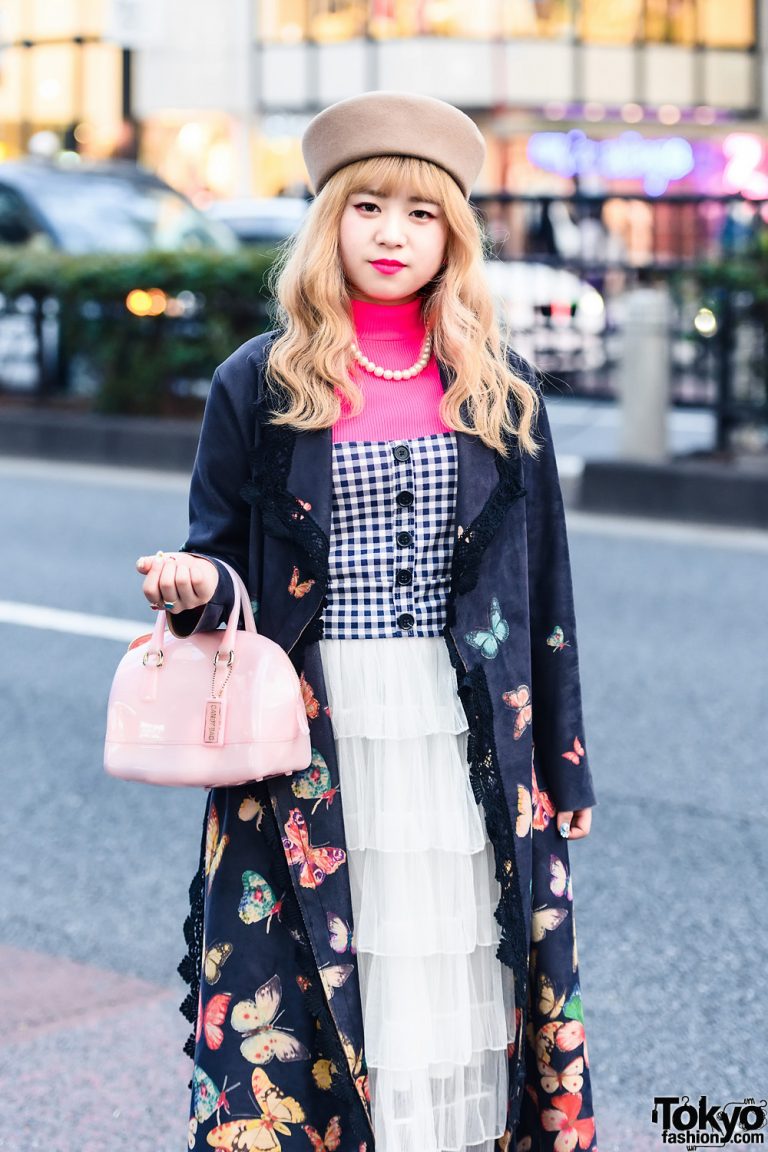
392,532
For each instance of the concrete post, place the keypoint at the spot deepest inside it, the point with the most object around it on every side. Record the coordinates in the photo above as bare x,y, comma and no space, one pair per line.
645,375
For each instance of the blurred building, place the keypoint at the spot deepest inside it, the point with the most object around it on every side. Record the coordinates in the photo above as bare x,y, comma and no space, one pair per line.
602,95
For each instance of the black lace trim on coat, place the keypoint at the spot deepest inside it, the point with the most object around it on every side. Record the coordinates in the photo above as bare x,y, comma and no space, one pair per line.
328,1040
282,515
487,787
470,546
191,965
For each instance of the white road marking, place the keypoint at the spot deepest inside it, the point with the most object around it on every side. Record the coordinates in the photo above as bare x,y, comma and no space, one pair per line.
100,474
74,623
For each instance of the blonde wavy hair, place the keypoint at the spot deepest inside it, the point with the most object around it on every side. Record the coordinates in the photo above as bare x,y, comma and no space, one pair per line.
310,359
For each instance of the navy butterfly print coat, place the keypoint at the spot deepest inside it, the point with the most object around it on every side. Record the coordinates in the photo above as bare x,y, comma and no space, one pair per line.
273,979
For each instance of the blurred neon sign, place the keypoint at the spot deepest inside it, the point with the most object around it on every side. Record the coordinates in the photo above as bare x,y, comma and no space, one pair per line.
654,160
744,155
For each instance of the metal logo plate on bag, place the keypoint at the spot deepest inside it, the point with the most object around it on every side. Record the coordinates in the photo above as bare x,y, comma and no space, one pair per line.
213,732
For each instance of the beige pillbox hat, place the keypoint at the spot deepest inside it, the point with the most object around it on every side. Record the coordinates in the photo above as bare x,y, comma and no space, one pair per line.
393,123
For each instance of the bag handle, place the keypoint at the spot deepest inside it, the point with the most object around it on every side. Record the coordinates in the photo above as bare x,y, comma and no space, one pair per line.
228,640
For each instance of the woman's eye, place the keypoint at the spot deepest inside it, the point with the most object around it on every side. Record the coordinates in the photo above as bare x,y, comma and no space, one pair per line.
367,204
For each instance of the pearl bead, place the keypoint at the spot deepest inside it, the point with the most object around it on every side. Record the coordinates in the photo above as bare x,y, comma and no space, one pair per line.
390,373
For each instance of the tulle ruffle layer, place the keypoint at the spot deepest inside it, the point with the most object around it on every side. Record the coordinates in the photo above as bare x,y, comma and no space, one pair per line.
438,1006
377,690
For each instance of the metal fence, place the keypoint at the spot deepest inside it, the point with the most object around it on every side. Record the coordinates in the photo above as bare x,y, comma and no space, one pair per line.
562,270
576,261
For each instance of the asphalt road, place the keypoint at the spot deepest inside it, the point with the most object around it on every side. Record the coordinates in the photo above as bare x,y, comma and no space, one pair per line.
670,886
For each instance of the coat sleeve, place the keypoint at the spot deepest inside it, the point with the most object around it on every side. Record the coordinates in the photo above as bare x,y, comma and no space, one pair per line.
219,517
557,720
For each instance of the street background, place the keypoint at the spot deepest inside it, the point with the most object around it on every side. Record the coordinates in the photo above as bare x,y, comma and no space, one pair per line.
669,884
150,162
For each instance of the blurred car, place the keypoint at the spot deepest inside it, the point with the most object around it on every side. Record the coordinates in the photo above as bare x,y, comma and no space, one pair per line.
552,315
90,207
262,220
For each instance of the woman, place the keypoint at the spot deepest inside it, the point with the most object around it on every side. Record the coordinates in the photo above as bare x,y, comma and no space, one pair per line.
388,948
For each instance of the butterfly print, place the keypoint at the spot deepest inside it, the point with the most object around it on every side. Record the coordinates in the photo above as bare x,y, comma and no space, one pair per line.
322,1072
258,901
543,808
535,808
255,1020
570,1036
305,504
207,1098
550,1004
334,976
340,933
562,1118
560,884
546,920
260,1132
214,959
487,641
546,1041
573,1009
210,1019
316,863
355,1062
251,808
557,641
314,783
571,1078
520,700
523,822
311,703
577,753
214,847
332,1138
296,588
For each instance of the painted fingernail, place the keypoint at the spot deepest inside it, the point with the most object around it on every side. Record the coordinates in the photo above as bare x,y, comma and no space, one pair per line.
564,829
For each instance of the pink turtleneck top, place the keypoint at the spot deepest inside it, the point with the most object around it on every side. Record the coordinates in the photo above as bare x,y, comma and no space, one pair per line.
392,336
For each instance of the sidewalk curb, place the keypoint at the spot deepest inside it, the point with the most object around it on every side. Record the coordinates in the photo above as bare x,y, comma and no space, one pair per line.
127,441
705,491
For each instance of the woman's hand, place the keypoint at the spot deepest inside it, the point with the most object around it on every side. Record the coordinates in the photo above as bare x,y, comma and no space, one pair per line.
179,578
579,823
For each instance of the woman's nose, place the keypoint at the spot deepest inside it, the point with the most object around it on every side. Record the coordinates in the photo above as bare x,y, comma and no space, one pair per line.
390,229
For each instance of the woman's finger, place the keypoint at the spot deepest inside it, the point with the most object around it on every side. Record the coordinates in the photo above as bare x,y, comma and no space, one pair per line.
151,586
169,593
581,824
564,824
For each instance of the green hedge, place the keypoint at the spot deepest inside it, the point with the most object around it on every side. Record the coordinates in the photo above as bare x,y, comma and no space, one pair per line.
138,361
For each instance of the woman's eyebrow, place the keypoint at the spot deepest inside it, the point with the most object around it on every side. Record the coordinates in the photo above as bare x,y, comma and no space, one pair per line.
384,196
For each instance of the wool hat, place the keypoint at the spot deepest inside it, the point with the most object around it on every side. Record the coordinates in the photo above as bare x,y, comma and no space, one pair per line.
393,123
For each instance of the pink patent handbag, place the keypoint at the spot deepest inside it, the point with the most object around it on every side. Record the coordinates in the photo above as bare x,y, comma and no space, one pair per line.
208,710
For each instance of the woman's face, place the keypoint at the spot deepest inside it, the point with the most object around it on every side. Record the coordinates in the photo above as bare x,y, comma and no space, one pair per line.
398,230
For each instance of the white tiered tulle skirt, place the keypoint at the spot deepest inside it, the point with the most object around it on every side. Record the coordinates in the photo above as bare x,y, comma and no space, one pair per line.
438,1006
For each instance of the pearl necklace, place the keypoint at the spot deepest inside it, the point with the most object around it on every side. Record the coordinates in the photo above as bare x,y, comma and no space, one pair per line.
395,374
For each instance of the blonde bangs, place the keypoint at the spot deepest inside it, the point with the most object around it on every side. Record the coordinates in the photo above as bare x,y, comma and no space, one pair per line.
309,361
